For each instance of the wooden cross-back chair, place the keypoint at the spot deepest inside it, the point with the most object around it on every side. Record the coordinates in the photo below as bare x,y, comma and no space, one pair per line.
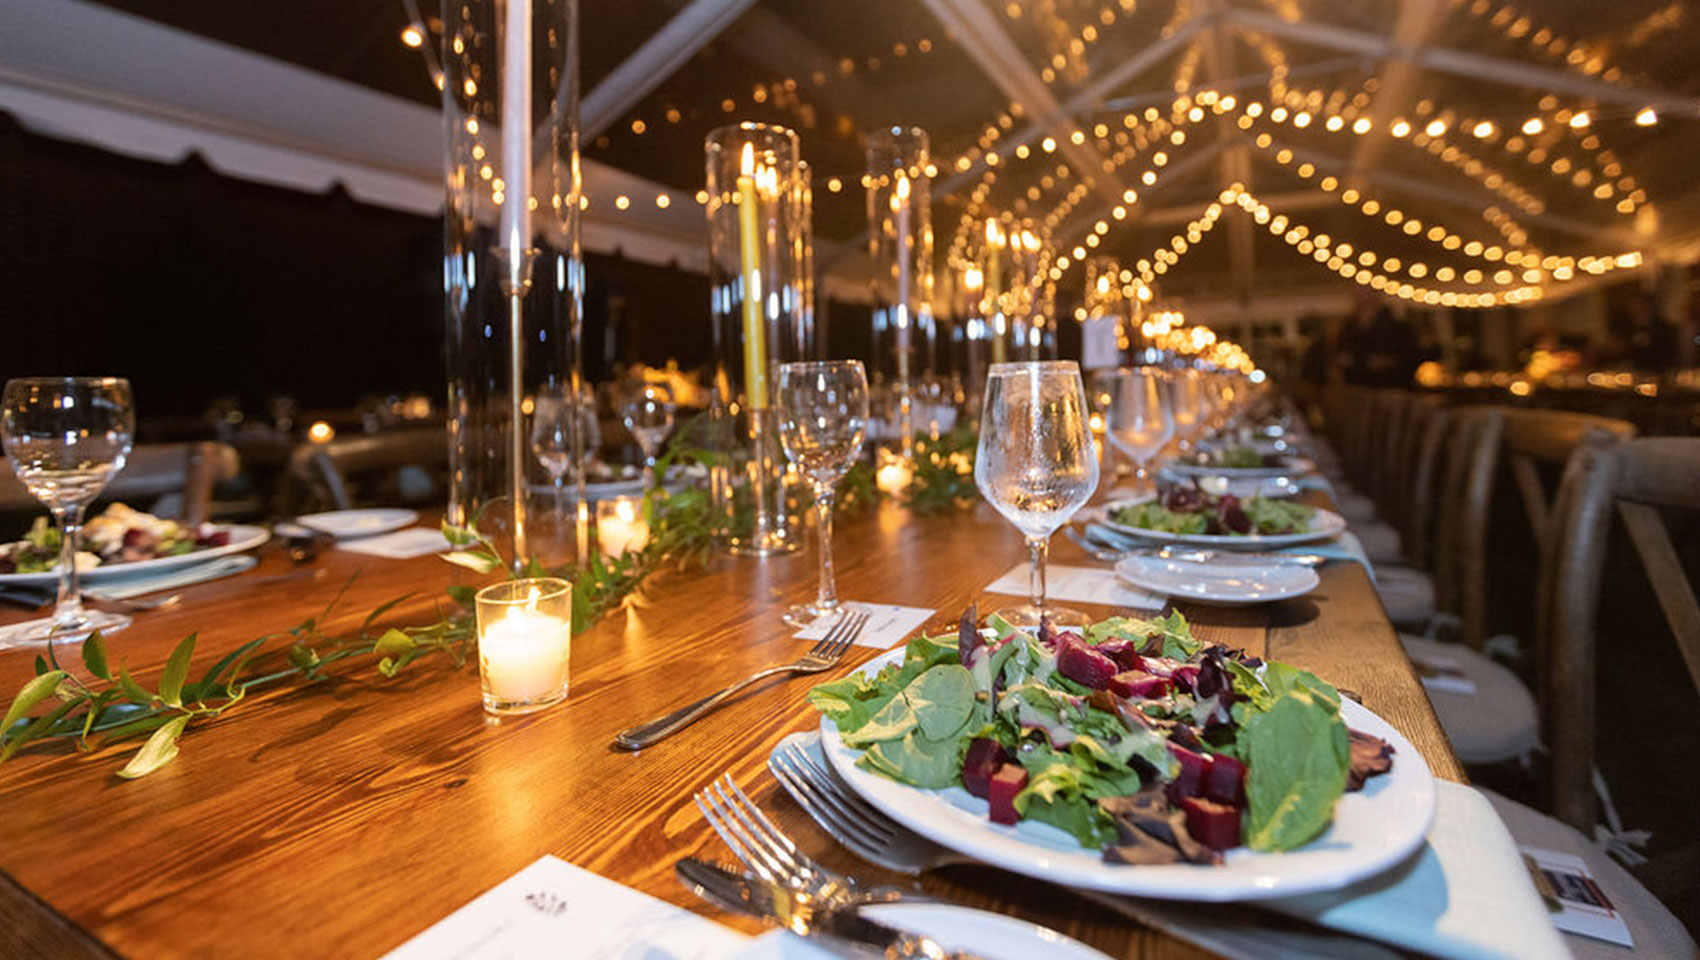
320,474
1466,492
150,471
1630,481
1427,444
1550,438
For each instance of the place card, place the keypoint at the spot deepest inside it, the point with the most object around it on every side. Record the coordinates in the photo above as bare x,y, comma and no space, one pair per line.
400,545
1078,585
1583,908
888,624
554,909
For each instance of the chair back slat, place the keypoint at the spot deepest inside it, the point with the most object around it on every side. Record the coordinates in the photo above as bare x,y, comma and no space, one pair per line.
1533,495
1425,483
1670,584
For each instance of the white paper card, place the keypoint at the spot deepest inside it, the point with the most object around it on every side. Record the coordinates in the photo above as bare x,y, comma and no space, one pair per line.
1098,348
888,624
1586,911
400,545
554,909
1078,585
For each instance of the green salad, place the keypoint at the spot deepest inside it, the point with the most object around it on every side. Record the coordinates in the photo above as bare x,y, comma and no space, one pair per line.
1188,510
1131,735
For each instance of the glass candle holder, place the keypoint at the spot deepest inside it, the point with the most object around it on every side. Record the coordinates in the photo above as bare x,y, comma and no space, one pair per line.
900,249
620,526
525,631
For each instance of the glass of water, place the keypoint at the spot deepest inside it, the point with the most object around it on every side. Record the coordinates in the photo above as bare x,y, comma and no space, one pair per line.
65,438
649,416
823,417
1036,464
1140,415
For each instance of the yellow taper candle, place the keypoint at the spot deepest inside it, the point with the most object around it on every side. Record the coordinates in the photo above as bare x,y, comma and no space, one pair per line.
749,250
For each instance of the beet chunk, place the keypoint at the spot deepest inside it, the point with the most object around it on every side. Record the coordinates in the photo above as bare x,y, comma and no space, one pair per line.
968,634
1190,778
1224,781
1371,757
1138,683
1006,783
984,758
1216,825
1084,665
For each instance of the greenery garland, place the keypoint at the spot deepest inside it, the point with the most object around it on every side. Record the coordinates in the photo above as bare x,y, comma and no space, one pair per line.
111,706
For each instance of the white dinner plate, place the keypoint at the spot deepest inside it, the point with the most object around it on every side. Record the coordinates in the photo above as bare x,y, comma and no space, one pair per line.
979,932
242,538
351,524
1293,467
1220,582
1323,525
1373,829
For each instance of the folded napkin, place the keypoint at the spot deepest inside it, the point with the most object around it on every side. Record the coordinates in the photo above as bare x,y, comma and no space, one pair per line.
1465,895
123,587
1346,546
400,545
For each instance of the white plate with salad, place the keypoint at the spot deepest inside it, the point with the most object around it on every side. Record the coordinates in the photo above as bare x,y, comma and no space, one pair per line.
122,541
1289,728
1187,515
1225,581
1243,463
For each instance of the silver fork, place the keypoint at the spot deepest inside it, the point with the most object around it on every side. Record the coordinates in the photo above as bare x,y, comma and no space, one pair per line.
763,847
824,655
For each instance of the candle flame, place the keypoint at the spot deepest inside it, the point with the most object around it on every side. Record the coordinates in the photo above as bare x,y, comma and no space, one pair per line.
767,181
902,186
747,165
625,511
972,278
994,236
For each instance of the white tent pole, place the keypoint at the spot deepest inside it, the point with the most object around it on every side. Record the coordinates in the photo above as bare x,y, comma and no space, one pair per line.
660,57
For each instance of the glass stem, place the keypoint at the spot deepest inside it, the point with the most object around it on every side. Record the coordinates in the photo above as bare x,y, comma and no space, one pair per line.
826,598
648,470
1037,549
68,611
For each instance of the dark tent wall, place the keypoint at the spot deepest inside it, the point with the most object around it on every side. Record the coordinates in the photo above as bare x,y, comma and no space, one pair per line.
196,285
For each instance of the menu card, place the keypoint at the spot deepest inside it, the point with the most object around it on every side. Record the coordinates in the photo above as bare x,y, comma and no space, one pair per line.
888,624
1078,585
554,909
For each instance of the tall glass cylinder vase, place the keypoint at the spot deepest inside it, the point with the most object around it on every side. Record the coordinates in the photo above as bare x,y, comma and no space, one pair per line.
513,276
900,250
808,339
1028,303
971,335
756,303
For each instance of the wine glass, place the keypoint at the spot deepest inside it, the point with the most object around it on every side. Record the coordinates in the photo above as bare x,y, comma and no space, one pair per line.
1140,415
555,420
65,438
649,416
1186,393
823,416
1036,463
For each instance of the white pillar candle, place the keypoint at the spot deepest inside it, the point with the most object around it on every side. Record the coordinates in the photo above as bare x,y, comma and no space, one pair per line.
516,126
524,656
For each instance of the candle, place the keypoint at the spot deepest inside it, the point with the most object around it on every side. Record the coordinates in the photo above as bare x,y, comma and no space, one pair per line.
524,643
994,291
749,250
516,127
620,527
900,207
894,475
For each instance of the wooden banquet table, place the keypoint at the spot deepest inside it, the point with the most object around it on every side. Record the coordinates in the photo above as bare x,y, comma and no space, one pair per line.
344,818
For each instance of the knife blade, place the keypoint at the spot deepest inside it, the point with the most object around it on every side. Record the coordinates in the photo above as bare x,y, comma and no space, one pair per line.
818,918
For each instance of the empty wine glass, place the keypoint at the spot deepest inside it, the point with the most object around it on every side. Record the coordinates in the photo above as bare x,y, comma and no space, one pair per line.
1186,391
649,416
555,420
1036,464
65,438
1140,419
823,416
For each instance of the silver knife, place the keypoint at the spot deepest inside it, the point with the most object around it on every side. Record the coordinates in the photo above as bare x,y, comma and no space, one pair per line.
828,922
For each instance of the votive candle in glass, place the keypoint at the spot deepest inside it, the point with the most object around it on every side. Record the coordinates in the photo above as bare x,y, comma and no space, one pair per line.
524,641
620,526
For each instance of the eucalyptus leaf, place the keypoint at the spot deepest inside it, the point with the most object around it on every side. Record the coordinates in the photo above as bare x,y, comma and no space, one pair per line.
36,728
478,561
176,670
94,656
32,693
160,749
393,643
133,691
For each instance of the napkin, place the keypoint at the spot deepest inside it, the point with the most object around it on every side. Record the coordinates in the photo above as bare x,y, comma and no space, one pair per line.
125,587
888,624
1078,585
554,909
400,545
1345,546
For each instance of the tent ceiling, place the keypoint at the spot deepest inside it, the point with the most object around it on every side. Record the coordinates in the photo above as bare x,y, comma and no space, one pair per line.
1454,59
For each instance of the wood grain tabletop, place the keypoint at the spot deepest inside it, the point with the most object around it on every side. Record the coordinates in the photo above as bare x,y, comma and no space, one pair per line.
341,818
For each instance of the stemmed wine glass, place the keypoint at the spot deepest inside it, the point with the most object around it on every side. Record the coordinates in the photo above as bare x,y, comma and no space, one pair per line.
65,438
1186,390
823,416
649,416
554,421
1140,416
1036,464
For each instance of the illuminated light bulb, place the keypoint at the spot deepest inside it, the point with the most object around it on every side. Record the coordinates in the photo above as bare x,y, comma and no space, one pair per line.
622,201
1130,196
1049,145
1533,126
1391,264
1301,119
1646,117
1361,126
1435,128
1279,114
1334,123
702,197
1022,151
1078,137
412,36
1482,130
1580,120
1400,128
1472,276
663,201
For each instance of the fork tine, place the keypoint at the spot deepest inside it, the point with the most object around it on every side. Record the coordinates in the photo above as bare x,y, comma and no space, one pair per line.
710,811
831,635
795,866
850,635
749,849
828,783
823,807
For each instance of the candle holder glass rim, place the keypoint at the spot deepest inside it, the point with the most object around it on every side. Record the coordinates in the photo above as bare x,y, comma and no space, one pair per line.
747,130
517,592
1015,367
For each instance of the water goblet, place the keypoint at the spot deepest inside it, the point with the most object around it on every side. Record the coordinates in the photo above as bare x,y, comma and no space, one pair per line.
1140,416
649,417
1036,464
65,438
823,417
